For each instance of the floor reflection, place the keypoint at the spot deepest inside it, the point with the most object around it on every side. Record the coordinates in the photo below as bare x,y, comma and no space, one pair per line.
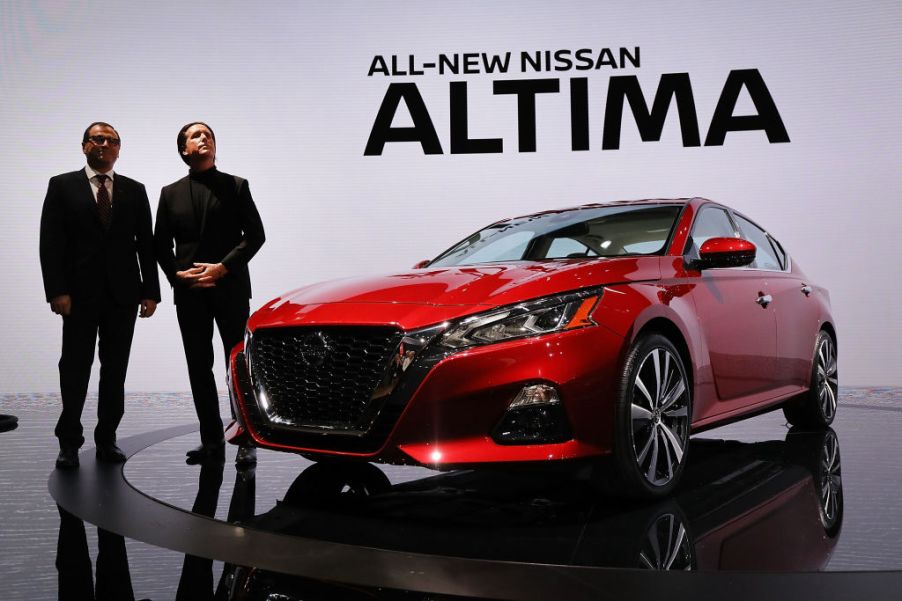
196,580
870,544
734,511
73,564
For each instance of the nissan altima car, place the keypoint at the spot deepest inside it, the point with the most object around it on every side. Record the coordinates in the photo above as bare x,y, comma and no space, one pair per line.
605,332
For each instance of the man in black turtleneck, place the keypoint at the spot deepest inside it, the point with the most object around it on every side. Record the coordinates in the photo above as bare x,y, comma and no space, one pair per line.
212,222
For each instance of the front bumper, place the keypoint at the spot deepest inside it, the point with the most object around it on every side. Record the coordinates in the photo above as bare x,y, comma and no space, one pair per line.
444,409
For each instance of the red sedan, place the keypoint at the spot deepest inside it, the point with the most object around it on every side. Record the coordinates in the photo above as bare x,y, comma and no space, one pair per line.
608,331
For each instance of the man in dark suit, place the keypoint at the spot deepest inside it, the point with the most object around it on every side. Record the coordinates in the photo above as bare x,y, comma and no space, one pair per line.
98,266
212,222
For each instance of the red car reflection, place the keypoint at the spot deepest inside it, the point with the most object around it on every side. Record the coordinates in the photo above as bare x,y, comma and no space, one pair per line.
605,331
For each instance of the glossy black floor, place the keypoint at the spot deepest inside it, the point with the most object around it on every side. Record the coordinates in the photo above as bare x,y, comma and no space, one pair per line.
763,512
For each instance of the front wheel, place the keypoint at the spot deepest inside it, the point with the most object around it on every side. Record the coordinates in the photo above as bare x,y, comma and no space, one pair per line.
816,408
652,418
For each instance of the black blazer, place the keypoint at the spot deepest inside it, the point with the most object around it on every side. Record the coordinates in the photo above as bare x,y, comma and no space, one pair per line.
226,229
80,258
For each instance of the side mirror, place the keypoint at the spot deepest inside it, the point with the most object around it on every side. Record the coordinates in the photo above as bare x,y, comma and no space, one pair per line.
422,264
725,252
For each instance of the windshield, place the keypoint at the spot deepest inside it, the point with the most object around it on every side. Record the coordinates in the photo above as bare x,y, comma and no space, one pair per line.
591,232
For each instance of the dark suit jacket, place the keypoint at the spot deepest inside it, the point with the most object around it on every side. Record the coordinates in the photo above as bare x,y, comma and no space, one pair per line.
81,259
225,228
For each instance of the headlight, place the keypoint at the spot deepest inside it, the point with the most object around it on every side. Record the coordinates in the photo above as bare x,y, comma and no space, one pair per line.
533,318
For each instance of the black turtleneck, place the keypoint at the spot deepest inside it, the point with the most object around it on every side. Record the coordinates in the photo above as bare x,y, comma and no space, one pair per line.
202,185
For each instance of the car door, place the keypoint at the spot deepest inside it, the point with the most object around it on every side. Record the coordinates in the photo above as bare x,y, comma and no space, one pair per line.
737,323
792,305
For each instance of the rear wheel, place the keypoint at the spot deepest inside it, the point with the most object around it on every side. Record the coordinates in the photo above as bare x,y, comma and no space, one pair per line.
816,408
652,417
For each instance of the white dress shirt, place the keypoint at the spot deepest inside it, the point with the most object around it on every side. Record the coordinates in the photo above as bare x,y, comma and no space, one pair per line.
95,185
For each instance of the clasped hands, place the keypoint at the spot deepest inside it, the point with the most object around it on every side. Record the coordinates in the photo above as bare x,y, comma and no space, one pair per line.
202,275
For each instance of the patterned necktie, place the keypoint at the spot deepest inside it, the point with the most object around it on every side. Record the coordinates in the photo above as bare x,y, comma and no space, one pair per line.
104,204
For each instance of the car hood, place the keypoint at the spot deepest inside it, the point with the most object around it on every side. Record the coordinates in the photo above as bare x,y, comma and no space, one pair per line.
427,296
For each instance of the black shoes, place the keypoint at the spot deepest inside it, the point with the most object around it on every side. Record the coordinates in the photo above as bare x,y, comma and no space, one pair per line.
205,453
67,459
110,453
106,453
246,457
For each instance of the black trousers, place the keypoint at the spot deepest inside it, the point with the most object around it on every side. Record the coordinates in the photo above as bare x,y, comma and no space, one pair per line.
110,327
197,311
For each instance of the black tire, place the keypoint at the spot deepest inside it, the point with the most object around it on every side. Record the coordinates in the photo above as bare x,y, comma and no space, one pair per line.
816,408
652,419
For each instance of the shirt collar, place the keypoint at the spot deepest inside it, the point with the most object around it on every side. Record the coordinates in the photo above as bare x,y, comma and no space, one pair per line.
92,173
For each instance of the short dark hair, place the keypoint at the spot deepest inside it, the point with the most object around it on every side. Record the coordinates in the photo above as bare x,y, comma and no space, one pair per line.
182,138
84,138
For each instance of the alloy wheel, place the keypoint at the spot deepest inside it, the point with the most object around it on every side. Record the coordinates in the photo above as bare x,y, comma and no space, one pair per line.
660,416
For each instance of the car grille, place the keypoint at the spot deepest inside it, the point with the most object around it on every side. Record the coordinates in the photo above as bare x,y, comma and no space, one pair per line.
322,378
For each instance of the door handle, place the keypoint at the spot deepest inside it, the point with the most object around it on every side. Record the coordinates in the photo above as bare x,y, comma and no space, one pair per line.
806,289
764,300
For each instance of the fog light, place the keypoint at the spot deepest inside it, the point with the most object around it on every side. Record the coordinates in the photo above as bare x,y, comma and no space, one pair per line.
535,416
536,394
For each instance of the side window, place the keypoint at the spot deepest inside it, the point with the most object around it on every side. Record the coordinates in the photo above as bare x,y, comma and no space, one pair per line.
765,257
778,249
711,222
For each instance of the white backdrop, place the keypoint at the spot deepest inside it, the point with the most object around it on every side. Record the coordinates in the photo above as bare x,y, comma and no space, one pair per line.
285,87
